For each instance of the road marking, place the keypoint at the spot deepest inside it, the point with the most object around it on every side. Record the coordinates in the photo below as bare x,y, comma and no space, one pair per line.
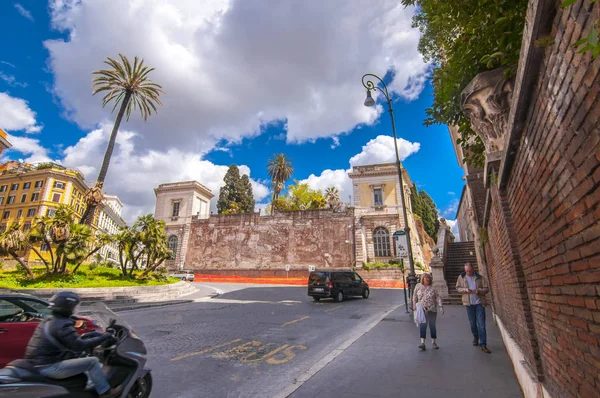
358,333
333,309
252,351
204,351
294,321
289,301
234,301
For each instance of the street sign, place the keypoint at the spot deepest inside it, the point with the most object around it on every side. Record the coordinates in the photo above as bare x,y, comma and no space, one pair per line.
311,268
287,268
401,243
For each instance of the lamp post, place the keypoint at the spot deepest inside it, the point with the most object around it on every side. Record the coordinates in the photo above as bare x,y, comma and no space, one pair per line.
370,101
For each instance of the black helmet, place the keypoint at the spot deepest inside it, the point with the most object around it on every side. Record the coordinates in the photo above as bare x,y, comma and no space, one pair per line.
64,303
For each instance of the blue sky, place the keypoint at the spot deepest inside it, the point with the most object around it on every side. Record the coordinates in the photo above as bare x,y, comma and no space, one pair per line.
278,91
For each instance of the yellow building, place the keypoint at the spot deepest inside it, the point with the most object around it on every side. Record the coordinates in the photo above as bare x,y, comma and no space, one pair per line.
379,213
4,144
27,191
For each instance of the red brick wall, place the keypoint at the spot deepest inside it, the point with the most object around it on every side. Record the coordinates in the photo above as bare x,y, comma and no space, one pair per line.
544,231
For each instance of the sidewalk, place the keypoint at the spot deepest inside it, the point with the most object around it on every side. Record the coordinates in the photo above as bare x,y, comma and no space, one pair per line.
385,362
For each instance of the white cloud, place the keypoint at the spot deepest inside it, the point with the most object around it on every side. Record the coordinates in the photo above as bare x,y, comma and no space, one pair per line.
381,150
15,115
451,193
450,210
229,67
11,80
31,148
376,151
133,176
24,12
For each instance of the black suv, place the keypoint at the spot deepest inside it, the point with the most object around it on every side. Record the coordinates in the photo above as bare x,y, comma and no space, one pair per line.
336,284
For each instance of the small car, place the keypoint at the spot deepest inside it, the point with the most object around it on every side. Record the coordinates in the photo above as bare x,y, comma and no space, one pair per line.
338,285
184,275
19,316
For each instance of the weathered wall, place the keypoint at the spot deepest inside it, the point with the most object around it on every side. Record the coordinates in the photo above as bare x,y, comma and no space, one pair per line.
247,241
543,217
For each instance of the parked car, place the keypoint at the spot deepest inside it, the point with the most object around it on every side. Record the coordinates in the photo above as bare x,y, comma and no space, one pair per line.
184,275
337,285
19,316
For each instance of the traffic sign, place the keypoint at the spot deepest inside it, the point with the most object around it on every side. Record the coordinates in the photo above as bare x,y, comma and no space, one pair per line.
311,268
287,268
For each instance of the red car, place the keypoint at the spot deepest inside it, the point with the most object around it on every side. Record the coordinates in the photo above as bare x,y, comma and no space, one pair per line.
19,316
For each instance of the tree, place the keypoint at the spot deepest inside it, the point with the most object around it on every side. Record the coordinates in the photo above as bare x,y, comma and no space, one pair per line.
233,196
332,195
248,195
301,197
425,208
68,243
280,170
128,86
464,38
13,241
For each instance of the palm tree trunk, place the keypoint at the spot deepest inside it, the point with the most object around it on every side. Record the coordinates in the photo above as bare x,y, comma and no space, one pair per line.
90,210
22,263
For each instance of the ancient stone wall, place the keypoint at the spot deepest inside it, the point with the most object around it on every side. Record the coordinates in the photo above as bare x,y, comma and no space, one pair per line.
250,242
543,208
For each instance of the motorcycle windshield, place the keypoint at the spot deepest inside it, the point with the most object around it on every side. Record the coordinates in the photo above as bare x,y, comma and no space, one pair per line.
103,315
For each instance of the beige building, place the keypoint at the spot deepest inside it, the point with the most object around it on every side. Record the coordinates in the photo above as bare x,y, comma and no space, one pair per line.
176,204
379,213
109,222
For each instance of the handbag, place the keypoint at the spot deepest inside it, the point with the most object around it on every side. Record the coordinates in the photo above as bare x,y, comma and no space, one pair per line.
420,315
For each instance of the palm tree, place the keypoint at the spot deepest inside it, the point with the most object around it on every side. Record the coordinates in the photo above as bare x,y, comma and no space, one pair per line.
129,86
332,194
12,241
280,170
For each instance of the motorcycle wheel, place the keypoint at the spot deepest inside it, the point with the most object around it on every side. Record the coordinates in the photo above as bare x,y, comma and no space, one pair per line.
142,387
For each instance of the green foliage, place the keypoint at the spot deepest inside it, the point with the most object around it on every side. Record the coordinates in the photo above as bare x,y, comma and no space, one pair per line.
332,195
301,197
592,42
161,274
425,208
464,38
483,236
85,276
236,195
280,170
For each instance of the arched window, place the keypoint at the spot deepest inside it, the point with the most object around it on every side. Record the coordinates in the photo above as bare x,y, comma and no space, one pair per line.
381,242
173,246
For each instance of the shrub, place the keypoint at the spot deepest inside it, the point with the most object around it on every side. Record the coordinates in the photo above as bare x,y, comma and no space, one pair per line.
367,267
161,274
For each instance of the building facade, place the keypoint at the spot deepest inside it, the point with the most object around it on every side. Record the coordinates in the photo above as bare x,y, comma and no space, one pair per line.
109,222
176,204
4,144
378,213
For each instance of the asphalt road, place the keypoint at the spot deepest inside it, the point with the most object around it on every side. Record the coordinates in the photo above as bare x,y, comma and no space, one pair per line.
250,341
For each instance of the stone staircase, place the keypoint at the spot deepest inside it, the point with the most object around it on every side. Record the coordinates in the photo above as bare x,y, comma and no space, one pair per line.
457,254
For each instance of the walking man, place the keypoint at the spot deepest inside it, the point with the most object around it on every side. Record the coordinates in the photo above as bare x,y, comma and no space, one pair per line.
474,287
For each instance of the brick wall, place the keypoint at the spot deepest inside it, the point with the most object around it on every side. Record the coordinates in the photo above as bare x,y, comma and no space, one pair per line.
544,231
251,242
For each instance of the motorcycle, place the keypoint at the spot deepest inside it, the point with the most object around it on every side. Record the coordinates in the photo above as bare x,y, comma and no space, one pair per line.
123,359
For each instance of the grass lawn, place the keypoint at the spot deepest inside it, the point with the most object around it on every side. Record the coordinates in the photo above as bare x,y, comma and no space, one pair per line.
85,277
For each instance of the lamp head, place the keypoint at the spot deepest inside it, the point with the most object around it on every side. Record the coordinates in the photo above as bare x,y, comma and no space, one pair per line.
369,101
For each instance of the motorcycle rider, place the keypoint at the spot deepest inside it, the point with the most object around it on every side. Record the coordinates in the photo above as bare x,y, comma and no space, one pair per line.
55,347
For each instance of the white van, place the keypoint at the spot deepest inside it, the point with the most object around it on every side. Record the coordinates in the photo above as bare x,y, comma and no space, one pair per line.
184,275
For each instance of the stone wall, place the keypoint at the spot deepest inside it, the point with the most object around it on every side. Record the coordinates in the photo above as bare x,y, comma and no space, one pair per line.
542,213
250,242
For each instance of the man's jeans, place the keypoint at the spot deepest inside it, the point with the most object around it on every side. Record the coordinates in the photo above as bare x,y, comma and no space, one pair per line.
430,317
477,320
72,367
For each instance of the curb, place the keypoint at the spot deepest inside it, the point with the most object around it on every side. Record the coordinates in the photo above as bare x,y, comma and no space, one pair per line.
374,283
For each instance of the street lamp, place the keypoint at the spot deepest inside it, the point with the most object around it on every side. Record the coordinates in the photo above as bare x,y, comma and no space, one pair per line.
370,101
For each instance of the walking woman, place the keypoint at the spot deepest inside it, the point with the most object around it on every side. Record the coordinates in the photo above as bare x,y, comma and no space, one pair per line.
430,300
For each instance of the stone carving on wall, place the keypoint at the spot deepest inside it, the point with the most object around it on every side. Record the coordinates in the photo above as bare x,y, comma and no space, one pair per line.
486,102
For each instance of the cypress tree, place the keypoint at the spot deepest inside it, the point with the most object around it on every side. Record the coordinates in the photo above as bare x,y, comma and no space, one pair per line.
247,204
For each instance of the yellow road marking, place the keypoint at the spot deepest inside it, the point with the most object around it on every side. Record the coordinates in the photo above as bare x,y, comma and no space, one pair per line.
204,351
294,321
288,355
333,309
